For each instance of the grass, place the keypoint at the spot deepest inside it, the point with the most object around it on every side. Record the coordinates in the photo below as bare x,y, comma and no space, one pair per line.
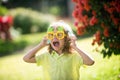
103,69
12,67
32,38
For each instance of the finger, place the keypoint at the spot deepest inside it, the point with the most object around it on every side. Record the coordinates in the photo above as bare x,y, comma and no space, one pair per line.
45,38
73,38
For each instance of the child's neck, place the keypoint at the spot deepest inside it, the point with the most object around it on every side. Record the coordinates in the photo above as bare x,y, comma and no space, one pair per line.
59,52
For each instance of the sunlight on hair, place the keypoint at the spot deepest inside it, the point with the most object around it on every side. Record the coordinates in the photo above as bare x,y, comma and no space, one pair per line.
66,27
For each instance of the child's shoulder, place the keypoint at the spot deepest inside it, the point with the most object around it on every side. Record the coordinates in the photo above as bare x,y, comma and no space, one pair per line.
73,55
76,55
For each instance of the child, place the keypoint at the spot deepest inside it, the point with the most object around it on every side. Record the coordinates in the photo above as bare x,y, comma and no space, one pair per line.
60,63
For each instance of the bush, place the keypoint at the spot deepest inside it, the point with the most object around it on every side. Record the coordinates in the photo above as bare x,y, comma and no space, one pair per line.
101,18
55,10
3,11
30,21
23,22
9,47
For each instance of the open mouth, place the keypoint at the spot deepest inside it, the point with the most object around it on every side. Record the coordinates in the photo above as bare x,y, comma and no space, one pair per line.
56,43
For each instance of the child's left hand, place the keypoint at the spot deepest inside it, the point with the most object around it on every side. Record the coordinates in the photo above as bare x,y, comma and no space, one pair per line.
73,41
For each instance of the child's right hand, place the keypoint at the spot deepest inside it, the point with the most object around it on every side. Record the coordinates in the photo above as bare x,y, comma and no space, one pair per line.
30,56
44,41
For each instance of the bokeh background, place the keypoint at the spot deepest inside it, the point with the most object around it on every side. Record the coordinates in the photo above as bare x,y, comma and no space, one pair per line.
23,23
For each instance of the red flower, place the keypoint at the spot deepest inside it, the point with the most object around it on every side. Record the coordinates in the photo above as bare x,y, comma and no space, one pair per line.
111,10
76,24
112,3
93,21
85,20
97,36
84,2
117,6
103,25
75,13
10,20
93,13
7,20
106,32
87,7
80,30
75,1
77,6
105,7
116,21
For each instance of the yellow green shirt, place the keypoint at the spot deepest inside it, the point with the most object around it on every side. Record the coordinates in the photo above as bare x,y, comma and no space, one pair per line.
59,67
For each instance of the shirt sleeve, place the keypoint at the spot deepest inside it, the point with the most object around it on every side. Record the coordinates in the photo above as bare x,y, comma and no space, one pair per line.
79,60
39,59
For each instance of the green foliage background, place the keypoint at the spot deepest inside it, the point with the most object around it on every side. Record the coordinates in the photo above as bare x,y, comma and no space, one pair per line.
29,21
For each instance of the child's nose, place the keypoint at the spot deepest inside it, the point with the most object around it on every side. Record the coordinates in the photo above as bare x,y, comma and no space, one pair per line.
55,38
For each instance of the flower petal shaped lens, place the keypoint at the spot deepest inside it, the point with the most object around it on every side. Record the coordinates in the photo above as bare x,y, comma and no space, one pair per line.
50,29
50,35
59,35
60,28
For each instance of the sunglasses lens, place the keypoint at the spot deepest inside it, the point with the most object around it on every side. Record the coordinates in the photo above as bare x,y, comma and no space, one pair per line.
50,36
60,35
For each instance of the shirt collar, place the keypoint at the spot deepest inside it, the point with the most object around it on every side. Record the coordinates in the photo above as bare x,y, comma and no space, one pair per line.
56,55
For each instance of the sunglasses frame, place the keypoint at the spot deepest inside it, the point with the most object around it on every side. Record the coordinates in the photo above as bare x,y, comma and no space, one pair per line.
56,34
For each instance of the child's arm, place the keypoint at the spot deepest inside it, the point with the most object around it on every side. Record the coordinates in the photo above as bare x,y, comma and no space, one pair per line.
87,60
30,56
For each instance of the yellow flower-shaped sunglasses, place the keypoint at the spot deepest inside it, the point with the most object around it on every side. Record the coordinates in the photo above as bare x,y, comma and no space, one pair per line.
59,34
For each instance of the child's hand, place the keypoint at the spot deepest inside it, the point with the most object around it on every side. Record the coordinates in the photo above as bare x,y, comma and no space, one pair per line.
73,41
44,41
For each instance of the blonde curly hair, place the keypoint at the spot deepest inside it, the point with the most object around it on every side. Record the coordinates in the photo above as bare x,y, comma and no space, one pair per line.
68,31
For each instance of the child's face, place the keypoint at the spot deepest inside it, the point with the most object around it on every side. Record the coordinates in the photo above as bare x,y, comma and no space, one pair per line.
56,37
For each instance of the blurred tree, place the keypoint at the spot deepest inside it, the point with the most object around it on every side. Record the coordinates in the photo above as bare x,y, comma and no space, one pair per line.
40,5
28,20
101,17
3,11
